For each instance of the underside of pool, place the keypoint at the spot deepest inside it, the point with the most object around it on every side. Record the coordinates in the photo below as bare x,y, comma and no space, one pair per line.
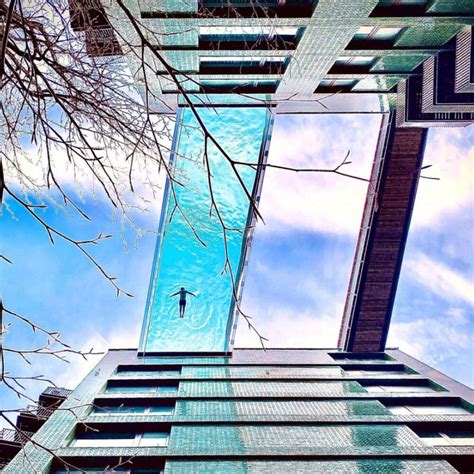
192,247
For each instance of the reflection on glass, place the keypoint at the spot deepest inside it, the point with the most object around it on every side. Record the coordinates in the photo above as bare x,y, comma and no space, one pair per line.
116,440
149,373
142,389
428,410
130,410
448,438
398,388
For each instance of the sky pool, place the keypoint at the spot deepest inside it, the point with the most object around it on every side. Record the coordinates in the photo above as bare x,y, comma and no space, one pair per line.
181,260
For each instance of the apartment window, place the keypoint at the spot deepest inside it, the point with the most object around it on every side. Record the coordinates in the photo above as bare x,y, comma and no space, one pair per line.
259,31
373,373
119,440
375,358
402,3
377,33
149,373
249,37
355,61
142,389
428,410
336,85
222,85
101,470
240,59
131,410
398,388
256,8
242,65
448,438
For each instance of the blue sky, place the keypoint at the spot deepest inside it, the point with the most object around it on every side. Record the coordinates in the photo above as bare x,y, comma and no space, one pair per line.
300,262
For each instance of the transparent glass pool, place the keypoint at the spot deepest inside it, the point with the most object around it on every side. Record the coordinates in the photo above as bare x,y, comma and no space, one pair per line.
181,260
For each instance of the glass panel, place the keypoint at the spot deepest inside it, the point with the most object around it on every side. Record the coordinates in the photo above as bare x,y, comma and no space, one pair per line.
97,470
398,389
461,441
377,33
142,389
148,373
387,33
371,373
162,410
167,388
117,410
248,30
355,60
154,440
365,30
438,410
436,441
130,389
206,325
460,434
399,410
392,3
338,82
102,440
242,59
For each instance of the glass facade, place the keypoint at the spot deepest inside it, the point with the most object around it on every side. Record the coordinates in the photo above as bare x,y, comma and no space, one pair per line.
193,247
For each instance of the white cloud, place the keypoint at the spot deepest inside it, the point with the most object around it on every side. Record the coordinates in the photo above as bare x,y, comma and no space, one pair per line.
123,336
439,278
451,152
433,339
321,202
290,328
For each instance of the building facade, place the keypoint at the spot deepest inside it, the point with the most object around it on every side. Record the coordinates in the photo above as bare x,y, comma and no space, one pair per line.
29,421
259,411
300,56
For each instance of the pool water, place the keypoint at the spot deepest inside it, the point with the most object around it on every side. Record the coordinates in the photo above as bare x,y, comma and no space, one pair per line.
181,260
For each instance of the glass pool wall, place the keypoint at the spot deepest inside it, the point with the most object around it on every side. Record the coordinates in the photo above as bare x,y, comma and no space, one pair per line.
181,260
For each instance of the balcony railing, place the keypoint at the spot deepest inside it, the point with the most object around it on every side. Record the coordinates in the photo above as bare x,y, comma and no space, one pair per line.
57,392
37,411
14,436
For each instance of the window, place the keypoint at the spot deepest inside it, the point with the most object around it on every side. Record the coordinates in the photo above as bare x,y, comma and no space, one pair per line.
222,85
428,410
377,33
240,59
248,31
355,61
398,388
404,3
448,438
242,65
142,389
367,357
98,470
129,410
374,373
117,440
336,85
149,373
249,37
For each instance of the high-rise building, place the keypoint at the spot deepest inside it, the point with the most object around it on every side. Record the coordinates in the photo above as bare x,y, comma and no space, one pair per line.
304,56
280,410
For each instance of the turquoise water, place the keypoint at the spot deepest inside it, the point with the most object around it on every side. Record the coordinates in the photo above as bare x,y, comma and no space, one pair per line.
180,259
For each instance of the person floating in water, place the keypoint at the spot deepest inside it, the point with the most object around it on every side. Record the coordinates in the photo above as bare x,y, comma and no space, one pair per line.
182,300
